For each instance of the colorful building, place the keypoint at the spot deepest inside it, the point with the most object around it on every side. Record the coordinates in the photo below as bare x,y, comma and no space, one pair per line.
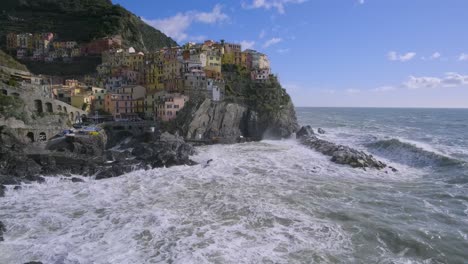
169,106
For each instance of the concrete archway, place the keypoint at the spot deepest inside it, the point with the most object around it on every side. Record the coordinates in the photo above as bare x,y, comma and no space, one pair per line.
49,107
42,136
30,137
38,106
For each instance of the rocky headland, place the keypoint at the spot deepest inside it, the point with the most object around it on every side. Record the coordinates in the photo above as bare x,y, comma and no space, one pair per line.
339,154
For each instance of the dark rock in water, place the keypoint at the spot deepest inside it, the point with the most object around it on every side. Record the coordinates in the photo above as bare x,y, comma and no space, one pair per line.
2,230
8,180
305,131
17,188
168,151
321,131
35,178
2,190
341,154
74,179
393,169
113,171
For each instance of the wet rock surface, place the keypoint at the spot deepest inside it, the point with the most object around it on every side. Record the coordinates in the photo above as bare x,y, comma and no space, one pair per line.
2,230
339,154
87,156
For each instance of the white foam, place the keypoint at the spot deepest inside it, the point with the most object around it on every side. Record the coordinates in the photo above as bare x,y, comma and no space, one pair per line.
255,202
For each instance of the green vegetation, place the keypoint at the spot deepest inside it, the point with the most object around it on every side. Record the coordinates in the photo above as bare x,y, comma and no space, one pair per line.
267,98
7,61
79,67
79,20
12,106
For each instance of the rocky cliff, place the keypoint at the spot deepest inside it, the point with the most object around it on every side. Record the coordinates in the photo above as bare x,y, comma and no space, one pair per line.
251,110
228,122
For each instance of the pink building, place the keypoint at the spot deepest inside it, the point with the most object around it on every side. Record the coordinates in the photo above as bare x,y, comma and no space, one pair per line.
169,105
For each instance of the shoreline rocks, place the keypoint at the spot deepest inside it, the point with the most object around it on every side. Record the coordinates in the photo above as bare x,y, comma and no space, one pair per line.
87,156
339,154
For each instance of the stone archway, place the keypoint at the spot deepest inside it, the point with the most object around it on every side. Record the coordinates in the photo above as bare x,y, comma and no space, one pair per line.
59,108
42,136
4,92
30,136
78,117
72,117
65,109
49,108
38,106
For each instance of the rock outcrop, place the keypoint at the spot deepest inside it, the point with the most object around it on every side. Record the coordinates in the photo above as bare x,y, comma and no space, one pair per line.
87,156
227,122
149,151
339,154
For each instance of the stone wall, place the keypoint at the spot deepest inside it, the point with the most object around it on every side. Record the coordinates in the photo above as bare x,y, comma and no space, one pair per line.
40,104
44,117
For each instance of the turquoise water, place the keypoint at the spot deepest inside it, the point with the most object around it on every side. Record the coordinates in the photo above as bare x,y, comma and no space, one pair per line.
265,202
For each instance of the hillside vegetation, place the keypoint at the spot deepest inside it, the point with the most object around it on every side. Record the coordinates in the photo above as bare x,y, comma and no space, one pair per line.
7,61
79,20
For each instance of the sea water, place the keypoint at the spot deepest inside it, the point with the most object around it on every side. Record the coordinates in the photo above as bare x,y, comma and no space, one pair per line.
266,202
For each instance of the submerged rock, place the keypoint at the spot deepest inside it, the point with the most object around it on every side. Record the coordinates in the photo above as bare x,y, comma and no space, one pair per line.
321,131
305,131
341,154
2,230
2,190
74,179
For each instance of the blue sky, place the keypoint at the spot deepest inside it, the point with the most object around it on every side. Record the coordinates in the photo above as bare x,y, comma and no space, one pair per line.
376,53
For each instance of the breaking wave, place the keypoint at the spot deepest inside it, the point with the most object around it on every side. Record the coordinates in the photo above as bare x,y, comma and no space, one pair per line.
410,154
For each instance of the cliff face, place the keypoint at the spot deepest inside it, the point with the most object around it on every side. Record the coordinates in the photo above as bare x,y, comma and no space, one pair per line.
228,121
79,20
250,109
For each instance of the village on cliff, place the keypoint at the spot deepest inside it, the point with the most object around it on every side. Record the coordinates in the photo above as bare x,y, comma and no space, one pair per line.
130,84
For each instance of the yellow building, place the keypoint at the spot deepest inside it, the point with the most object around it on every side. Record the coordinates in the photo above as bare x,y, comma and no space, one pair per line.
154,75
213,60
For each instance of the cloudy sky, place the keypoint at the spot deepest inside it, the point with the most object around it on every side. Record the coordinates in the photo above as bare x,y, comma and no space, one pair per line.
392,53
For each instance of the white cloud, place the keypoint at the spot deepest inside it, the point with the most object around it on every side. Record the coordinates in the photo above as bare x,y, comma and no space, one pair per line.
394,56
463,57
272,41
328,91
384,89
247,44
450,79
262,34
176,26
353,91
279,5
436,55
